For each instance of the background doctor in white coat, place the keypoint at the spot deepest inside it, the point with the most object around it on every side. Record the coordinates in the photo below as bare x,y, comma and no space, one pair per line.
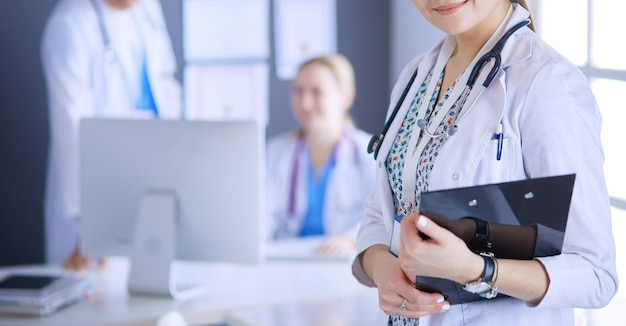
320,174
101,58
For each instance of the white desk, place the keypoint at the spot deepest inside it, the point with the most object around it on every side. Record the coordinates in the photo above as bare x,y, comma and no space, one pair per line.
295,293
274,293
359,310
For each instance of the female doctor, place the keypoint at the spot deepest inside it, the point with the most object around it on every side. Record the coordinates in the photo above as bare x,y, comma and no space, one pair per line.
101,58
537,118
319,174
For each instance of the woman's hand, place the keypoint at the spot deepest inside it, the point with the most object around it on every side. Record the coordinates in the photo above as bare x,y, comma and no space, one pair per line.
394,287
427,249
463,228
336,246
77,262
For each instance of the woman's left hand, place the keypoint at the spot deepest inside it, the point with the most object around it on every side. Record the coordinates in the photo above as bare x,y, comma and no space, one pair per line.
427,249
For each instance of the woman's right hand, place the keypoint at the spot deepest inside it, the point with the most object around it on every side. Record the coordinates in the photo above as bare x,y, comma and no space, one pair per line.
394,287
77,262
463,228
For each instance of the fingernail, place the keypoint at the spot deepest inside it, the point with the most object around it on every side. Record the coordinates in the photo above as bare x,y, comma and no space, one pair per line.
440,300
422,221
444,308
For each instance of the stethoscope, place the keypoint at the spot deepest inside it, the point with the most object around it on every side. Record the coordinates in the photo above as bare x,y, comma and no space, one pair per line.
494,53
109,54
295,170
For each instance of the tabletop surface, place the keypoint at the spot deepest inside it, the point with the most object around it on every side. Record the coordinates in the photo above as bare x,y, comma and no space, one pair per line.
261,294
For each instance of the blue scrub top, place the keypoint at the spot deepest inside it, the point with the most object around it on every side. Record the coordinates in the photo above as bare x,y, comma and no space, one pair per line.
146,99
313,223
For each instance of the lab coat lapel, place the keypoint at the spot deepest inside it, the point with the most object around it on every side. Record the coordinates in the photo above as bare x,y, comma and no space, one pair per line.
423,68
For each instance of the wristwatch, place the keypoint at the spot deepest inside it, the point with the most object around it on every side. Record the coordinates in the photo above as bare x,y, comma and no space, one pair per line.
484,286
480,242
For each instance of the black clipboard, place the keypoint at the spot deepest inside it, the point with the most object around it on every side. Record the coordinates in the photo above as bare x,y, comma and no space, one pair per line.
542,202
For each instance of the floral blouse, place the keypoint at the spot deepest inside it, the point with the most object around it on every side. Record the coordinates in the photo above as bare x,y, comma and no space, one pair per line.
396,156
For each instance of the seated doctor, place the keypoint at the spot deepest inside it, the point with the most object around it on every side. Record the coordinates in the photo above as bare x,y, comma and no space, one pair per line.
319,174
101,58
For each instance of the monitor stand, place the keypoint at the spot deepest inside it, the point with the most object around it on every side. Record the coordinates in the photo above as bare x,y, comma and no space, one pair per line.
154,248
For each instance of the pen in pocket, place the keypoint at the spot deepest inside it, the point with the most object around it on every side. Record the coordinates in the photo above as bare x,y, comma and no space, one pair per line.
499,135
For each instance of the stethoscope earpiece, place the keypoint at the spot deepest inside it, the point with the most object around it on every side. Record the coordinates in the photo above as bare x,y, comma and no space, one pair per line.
421,123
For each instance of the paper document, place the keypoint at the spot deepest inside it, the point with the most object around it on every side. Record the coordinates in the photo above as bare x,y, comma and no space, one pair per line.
40,294
302,248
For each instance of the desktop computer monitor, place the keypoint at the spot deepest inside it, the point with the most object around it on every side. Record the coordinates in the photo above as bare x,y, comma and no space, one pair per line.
159,191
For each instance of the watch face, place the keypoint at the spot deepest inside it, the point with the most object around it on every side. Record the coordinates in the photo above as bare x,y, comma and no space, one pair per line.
477,287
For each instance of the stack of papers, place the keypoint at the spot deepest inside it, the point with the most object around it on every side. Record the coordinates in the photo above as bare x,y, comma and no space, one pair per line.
301,248
40,294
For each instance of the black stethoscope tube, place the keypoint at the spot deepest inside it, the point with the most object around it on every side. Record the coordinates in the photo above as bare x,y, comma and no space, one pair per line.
495,55
374,145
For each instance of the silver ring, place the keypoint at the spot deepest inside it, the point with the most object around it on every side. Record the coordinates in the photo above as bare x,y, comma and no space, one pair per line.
403,305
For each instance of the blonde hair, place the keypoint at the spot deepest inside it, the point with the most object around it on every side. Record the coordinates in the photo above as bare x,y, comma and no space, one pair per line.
525,5
339,66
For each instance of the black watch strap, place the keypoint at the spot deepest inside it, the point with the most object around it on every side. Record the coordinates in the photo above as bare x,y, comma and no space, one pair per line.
488,270
480,242
485,286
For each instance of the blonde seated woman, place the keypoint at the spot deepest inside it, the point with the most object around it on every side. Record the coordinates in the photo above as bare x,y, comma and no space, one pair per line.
319,174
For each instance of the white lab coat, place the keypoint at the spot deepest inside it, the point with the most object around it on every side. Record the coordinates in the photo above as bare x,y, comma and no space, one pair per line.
551,126
351,181
81,84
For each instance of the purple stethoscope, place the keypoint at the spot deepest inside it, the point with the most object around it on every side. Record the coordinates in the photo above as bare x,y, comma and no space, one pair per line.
295,170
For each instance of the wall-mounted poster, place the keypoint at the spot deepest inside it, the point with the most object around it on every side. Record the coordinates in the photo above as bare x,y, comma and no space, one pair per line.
225,29
227,92
302,29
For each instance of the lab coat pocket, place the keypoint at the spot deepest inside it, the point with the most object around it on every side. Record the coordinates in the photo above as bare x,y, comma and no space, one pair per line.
495,162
